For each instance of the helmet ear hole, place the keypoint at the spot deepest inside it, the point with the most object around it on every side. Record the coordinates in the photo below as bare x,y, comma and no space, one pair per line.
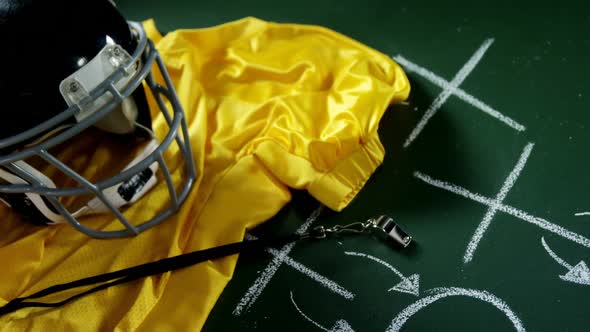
34,207
36,211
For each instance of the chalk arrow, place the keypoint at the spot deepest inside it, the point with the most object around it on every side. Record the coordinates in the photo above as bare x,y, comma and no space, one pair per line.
340,325
410,285
579,274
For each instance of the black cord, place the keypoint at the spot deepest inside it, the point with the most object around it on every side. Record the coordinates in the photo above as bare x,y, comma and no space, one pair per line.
114,278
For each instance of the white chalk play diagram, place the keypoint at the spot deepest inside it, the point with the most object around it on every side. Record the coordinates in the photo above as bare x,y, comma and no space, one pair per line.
434,295
494,204
409,282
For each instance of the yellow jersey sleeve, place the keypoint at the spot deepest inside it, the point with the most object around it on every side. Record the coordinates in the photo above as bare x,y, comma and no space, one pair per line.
304,100
269,107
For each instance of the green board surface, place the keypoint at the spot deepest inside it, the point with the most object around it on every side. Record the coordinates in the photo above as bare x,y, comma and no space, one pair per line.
509,146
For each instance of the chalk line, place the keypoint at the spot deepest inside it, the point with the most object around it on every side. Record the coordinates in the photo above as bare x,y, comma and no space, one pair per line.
554,255
491,212
331,285
455,189
582,214
409,285
340,325
260,283
542,223
441,293
384,263
305,316
458,92
448,90
546,225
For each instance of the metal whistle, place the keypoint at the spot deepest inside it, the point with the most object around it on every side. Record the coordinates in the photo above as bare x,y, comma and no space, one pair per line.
382,225
392,230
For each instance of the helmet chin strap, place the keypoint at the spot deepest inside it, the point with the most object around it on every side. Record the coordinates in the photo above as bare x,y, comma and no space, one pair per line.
125,192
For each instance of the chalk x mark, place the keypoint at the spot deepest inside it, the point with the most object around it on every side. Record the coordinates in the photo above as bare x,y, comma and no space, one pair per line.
440,293
331,285
458,92
582,214
410,285
260,283
493,208
542,223
579,274
448,90
340,325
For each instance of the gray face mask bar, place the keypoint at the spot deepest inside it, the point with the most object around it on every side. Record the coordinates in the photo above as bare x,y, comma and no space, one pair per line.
113,192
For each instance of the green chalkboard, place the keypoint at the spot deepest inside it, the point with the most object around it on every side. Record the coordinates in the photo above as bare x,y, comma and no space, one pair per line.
507,145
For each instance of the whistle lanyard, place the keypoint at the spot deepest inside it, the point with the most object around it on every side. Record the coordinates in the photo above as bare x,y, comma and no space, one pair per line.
382,225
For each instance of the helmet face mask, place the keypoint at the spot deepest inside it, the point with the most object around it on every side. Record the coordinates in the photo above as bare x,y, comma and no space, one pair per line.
109,102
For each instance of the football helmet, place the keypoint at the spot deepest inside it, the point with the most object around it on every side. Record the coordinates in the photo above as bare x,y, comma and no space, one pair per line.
71,69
